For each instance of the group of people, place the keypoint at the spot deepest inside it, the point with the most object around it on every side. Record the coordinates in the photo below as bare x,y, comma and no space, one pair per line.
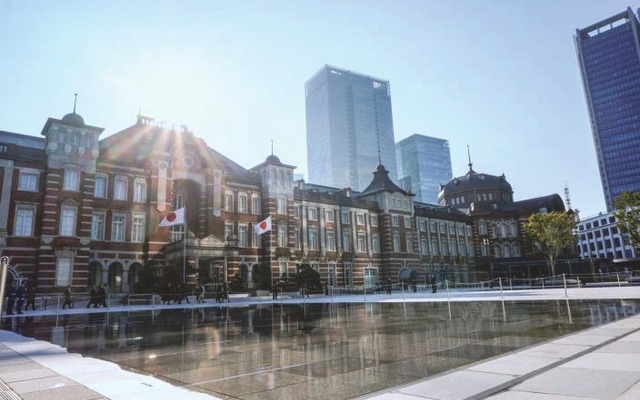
16,296
97,297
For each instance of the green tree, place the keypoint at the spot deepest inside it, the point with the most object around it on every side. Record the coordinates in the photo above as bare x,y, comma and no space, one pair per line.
308,277
627,212
553,231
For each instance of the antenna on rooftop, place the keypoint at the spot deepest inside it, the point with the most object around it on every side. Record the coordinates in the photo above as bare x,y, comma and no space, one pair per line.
271,146
567,198
75,101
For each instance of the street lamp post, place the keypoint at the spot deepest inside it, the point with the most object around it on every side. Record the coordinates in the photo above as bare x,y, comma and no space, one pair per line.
4,264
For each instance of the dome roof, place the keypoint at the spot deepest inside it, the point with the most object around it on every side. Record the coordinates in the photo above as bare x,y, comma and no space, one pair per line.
474,180
73,119
273,160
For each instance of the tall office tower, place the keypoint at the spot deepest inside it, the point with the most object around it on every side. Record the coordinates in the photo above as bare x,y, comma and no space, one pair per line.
424,163
349,128
609,57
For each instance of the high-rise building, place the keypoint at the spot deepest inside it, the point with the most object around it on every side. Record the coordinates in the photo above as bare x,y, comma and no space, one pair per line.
609,57
426,162
349,128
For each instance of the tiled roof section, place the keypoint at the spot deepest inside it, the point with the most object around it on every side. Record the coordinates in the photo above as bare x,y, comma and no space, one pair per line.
435,211
552,202
271,160
475,180
382,183
22,140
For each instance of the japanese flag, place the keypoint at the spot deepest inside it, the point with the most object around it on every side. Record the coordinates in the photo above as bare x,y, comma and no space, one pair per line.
173,218
263,226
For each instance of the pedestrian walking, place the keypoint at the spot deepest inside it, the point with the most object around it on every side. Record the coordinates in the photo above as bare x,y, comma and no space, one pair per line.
102,296
31,298
11,299
21,294
68,300
93,297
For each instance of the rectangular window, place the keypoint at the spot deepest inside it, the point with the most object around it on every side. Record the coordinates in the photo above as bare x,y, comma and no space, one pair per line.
348,275
120,188
313,239
242,203
409,243
344,217
281,205
423,226
117,227
296,211
313,213
63,271
24,221
433,227
396,243
360,219
100,188
361,243
137,228
228,230
331,240
282,235
424,246
243,237
68,220
228,201
255,205
395,221
296,238
407,222
482,228
255,239
329,215
97,226
375,243
71,180
139,191
374,220
346,241
28,181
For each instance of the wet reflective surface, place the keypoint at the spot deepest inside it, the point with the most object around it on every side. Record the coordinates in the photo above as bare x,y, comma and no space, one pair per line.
315,351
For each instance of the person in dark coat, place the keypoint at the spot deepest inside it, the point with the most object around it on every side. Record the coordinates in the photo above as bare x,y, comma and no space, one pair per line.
434,284
11,299
21,294
102,296
31,298
68,301
93,297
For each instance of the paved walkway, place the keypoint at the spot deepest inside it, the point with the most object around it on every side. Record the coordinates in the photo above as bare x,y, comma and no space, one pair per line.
598,363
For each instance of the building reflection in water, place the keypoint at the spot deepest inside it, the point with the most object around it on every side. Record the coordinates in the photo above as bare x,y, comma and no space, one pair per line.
315,350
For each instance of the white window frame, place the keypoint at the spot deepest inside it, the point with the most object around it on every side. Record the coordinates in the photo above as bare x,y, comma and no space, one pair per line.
374,220
68,219
407,223
64,269
138,228
344,218
98,219
282,235
117,228
409,242
375,243
242,203
255,205
360,219
243,237
361,243
312,213
313,239
396,243
395,220
28,180
256,243
331,240
100,190
228,201
348,274
281,205
71,180
346,241
120,183
24,220
330,215
139,190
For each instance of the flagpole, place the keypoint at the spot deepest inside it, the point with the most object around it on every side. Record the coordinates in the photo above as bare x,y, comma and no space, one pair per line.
270,266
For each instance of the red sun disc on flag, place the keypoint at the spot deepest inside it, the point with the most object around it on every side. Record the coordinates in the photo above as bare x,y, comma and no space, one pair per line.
171,217
263,225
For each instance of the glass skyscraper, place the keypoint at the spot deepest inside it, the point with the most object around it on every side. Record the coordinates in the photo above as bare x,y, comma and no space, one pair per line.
349,128
424,163
609,57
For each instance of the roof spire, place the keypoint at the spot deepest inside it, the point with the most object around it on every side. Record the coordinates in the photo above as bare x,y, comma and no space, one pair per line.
75,101
470,163
271,146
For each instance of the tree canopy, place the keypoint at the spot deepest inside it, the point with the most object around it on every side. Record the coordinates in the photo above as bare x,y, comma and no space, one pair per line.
553,231
627,213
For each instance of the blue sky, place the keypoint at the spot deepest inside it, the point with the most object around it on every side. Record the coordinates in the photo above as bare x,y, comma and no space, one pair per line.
498,75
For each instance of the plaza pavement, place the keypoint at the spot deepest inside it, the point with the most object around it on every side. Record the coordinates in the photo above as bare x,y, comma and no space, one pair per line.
598,363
